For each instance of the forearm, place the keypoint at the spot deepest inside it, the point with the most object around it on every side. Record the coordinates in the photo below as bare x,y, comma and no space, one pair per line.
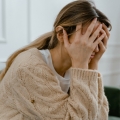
90,92
84,92
93,66
102,102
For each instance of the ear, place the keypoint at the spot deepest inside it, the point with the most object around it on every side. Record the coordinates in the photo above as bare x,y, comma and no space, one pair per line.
59,31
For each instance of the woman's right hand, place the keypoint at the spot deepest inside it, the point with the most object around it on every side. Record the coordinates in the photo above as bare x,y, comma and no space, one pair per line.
80,47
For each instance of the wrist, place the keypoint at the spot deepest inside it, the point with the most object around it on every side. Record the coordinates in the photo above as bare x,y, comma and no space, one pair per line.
82,66
93,66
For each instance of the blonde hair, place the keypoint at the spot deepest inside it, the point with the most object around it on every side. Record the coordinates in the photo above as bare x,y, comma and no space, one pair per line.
76,12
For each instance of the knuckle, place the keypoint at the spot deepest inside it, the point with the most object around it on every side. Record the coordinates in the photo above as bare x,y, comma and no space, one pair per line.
89,30
104,32
90,47
101,37
65,46
108,34
103,50
95,35
77,42
84,43
98,41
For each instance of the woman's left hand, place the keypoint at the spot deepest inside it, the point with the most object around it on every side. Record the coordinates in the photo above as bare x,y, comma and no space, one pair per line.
102,48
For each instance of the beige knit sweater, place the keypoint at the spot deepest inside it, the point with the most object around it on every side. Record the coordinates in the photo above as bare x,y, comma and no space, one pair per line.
30,91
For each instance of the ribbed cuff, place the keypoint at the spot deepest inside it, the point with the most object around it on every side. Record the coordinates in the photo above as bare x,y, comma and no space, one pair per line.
84,74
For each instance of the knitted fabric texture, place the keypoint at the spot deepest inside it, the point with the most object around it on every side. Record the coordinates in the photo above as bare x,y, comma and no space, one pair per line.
30,91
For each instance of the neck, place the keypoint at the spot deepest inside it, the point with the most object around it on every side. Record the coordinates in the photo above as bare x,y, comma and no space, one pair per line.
60,61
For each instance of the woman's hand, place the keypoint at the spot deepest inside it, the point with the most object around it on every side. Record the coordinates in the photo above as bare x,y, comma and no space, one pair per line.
102,48
82,46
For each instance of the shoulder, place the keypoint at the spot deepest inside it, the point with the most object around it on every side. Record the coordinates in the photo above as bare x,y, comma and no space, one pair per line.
31,57
29,63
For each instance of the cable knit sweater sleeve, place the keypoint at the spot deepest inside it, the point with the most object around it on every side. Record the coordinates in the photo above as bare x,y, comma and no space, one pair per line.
38,96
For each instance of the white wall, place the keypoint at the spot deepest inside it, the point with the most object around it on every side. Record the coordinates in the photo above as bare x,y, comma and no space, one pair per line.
22,21
13,26
110,63
43,14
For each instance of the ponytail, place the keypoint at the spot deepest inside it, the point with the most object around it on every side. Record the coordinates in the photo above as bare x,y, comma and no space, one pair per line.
43,42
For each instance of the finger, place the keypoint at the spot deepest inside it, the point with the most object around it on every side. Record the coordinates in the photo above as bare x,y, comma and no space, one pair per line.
99,39
78,31
96,33
105,39
106,30
78,27
97,48
101,46
65,38
91,27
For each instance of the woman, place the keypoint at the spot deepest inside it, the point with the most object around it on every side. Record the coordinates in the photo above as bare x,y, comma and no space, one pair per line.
56,77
